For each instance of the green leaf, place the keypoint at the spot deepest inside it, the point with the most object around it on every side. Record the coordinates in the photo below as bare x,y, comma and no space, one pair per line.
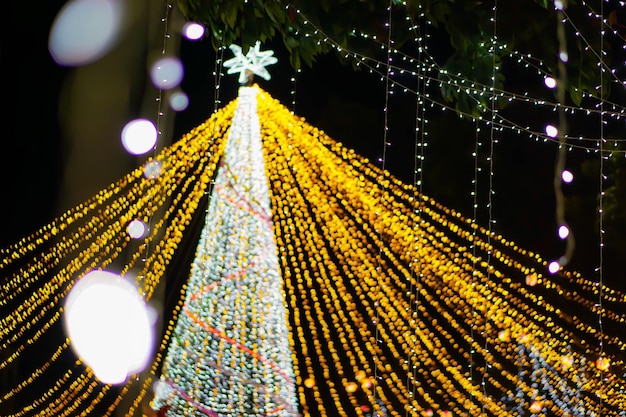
229,16
576,95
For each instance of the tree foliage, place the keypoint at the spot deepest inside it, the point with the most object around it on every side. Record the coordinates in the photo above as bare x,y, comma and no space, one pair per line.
464,32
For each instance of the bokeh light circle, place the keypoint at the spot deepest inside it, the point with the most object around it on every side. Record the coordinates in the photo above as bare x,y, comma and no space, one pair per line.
193,31
554,266
552,131
166,73
550,82
109,325
137,229
139,136
152,169
179,101
83,31
567,176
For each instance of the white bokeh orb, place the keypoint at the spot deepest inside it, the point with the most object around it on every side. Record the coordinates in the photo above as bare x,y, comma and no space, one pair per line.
139,136
109,325
166,73
152,169
553,267
84,30
567,176
193,31
550,82
552,131
178,101
137,229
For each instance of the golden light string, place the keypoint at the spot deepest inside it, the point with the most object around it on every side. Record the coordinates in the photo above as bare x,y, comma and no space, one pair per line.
400,188
114,230
166,182
289,158
57,314
52,320
74,388
63,245
285,205
341,291
37,372
505,260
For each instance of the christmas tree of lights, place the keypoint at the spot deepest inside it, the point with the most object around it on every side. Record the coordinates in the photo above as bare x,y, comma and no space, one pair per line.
230,352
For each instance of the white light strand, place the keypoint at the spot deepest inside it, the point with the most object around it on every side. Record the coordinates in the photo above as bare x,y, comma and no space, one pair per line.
490,220
217,76
471,87
419,154
152,163
589,46
601,217
474,195
380,288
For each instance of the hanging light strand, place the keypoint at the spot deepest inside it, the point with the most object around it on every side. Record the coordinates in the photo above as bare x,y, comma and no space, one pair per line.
601,362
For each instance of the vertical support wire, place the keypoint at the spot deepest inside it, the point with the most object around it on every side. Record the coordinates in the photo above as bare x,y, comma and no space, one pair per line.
382,182
476,153
492,140
420,143
601,141
217,74
159,117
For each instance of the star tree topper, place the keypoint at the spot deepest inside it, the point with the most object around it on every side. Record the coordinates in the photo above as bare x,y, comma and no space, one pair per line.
254,62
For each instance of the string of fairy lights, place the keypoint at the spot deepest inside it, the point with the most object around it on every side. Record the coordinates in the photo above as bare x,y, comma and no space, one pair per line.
490,188
601,197
380,285
472,88
420,143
